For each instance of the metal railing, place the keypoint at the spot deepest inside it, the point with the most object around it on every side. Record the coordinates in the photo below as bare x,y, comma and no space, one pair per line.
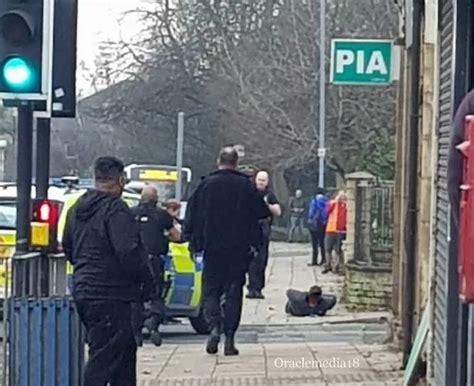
382,214
42,323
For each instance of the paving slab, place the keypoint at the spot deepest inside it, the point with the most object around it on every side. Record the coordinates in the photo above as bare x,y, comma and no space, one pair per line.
271,364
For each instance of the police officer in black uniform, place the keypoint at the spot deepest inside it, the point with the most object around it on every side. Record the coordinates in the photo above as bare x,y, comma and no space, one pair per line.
156,229
220,221
260,262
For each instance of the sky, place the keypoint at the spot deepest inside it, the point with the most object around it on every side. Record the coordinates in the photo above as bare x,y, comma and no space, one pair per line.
97,22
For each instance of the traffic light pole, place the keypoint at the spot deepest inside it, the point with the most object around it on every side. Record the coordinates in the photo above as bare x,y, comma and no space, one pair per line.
23,203
43,141
24,172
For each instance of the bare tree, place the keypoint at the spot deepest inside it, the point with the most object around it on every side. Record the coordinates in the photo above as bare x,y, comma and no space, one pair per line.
245,71
265,86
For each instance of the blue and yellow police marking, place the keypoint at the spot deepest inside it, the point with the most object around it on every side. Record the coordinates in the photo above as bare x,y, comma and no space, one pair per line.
185,289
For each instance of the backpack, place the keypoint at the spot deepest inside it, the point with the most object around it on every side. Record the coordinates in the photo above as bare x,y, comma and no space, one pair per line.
319,217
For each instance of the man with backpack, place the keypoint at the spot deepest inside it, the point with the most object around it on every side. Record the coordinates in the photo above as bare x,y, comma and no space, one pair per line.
317,220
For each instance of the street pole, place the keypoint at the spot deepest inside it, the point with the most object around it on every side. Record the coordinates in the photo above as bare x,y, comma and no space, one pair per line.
179,156
43,140
23,202
24,172
322,93
3,146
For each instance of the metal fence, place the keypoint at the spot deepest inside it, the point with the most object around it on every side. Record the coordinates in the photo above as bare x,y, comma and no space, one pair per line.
382,214
45,341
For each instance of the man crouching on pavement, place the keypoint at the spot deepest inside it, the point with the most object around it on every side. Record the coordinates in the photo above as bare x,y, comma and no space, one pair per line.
220,218
309,303
102,241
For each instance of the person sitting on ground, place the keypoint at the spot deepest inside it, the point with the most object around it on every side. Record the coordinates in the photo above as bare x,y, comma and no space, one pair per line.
309,303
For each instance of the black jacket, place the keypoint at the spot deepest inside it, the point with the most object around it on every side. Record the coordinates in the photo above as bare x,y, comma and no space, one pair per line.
222,214
101,240
298,305
153,223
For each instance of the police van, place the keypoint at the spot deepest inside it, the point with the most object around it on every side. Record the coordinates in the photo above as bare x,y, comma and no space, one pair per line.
183,273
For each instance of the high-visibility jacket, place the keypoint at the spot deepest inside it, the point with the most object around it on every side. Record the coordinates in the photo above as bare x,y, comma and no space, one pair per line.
337,219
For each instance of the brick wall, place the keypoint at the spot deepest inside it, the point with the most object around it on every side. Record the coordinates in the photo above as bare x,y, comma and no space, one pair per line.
368,287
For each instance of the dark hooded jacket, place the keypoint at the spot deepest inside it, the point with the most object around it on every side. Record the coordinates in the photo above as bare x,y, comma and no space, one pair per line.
102,241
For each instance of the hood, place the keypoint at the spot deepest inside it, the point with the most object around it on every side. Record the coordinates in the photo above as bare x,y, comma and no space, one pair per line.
321,199
90,203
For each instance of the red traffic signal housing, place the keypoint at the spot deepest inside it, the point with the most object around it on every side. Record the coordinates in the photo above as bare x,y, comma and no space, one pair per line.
44,226
466,229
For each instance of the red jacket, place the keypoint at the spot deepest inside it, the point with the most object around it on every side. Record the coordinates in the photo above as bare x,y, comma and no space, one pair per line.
337,217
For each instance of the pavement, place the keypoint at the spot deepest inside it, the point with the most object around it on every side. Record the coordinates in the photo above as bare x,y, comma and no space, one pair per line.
342,348
270,364
288,268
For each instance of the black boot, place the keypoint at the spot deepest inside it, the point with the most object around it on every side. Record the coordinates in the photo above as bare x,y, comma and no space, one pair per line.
314,261
251,295
213,341
229,347
156,338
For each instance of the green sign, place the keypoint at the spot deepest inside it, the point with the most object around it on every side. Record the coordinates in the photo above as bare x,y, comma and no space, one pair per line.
361,62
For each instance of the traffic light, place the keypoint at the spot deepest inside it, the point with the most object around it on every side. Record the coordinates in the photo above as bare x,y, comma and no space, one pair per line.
25,27
64,59
44,225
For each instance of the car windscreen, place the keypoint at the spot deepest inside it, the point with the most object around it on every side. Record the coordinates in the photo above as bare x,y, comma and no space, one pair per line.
8,215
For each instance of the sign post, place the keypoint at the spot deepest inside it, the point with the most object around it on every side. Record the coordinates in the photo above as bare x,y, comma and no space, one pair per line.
361,62
322,92
179,156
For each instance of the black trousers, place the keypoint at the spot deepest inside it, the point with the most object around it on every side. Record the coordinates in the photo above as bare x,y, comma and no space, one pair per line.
317,240
258,266
156,312
112,349
222,290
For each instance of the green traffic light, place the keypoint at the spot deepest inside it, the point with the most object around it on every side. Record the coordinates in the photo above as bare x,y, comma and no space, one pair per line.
17,74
